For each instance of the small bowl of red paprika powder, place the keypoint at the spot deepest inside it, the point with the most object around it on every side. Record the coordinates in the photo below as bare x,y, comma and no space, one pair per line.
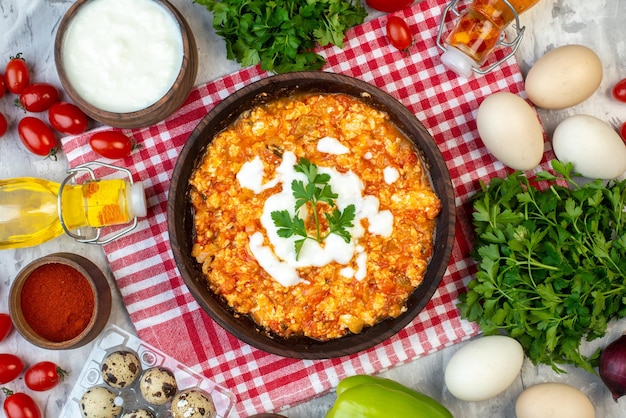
61,301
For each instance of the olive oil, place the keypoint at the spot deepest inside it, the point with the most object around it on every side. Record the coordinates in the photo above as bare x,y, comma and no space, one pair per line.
30,212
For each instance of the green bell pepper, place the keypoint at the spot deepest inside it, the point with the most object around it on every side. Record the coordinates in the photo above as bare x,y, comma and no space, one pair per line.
364,396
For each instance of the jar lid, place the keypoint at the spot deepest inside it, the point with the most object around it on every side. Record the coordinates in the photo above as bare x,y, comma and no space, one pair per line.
455,60
137,200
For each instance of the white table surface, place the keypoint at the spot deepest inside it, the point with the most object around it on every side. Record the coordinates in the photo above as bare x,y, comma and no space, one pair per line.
29,26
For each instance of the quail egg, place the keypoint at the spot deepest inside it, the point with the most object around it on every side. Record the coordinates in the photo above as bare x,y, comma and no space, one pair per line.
192,403
120,369
99,402
158,385
138,413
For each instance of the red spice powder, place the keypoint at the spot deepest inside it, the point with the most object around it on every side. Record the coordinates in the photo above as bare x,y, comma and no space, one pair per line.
57,302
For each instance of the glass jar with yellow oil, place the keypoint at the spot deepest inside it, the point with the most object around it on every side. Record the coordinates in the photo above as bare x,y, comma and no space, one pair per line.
34,210
478,31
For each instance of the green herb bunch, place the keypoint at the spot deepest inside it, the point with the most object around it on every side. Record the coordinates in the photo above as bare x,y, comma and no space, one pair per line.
281,34
551,263
314,193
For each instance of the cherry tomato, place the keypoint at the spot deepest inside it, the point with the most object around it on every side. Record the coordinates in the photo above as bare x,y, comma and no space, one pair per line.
16,75
3,87
622,131
3,125
43,376
619,90
67,118
398,33
111,144
38,97
6,325
10,367
20,405
388,5
37,137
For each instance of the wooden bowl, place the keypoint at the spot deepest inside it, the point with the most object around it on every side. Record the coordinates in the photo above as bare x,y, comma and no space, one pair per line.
98,285
180,212
158,111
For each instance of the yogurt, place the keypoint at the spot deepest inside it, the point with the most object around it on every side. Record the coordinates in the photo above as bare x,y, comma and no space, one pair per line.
122,55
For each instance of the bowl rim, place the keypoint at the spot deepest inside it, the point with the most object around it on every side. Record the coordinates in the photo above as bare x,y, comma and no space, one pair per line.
99,287
280,85
139,118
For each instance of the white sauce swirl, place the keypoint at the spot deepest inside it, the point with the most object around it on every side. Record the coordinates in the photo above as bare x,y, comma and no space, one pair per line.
279,258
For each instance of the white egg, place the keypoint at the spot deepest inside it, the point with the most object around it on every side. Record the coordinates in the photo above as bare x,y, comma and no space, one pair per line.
510,129
553,400
594,148
484,368
564,77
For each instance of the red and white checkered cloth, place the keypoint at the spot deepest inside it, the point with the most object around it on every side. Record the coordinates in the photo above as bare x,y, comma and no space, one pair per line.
167,316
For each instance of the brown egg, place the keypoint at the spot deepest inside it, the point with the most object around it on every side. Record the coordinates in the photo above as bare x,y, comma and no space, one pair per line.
553,400
564,77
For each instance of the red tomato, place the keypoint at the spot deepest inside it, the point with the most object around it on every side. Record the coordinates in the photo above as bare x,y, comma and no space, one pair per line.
619,90
16,75
3,87
3,125
388,5
111,144
67,118
6,325
37,137
43,376
20,405
38,97
10,367
622,131
398,33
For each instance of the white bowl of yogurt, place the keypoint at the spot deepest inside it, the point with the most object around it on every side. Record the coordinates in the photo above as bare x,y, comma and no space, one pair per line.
126,63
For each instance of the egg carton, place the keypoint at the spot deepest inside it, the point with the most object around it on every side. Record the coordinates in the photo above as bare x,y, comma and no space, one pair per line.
114,339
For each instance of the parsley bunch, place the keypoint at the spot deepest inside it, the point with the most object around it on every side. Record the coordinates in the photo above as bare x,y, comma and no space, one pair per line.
315,192
551,263
281,34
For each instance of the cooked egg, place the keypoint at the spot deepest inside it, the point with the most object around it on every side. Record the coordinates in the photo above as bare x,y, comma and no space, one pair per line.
510,129
553,400
594,148
564,77
484,368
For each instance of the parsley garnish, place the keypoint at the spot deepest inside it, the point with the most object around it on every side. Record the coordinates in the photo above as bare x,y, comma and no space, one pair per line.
551,263
318,196
281,34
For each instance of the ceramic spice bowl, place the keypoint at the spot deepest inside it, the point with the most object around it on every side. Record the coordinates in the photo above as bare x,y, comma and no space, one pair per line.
126,63
60,301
